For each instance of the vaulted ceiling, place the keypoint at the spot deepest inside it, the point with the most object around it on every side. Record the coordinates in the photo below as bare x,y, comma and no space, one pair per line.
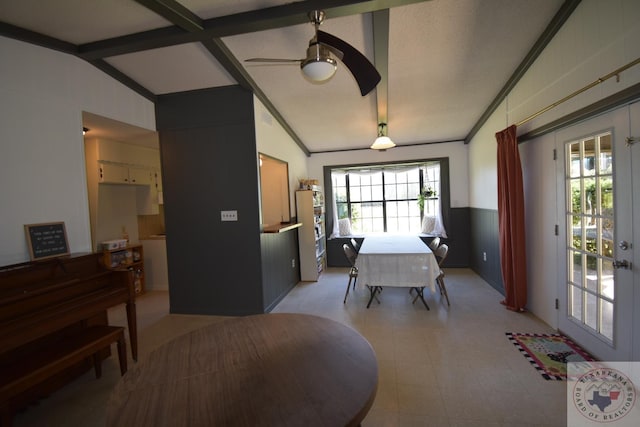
445,64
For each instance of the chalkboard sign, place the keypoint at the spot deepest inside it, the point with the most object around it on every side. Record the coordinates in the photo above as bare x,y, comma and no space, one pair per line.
46,240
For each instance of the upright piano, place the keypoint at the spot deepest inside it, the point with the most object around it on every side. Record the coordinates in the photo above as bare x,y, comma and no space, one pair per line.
42,302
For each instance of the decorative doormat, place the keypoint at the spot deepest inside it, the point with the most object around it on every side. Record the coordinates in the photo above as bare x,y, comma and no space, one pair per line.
549,354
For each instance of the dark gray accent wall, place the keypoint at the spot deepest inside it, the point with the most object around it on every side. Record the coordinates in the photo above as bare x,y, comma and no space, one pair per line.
458,237
335,253
279,273
208,153
485,239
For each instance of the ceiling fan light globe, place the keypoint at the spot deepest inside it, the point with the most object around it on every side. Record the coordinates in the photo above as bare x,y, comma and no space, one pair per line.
382,143
319,69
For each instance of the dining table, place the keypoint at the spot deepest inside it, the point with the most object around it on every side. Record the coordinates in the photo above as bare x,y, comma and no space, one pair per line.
276,369
396,260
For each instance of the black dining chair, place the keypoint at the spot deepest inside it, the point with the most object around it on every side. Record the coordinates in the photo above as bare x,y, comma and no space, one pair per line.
433,245
441,253
353,271
355,244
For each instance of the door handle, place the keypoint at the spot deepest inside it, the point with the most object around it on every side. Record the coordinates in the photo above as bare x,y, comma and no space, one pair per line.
621,264
624,245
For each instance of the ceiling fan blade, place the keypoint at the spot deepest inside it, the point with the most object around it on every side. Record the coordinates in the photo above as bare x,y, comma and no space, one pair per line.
363,71
274,60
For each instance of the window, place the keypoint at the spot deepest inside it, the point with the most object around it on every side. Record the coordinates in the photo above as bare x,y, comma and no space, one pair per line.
393,198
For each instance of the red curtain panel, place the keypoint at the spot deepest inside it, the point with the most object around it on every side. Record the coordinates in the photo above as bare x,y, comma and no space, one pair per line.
511,221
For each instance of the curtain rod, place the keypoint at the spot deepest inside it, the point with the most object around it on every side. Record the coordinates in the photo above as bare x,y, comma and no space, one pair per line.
615,73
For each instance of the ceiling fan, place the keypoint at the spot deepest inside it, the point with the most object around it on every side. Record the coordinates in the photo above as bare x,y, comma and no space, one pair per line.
319,66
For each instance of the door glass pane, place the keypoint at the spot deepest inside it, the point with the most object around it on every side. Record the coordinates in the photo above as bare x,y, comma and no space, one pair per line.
591,318
606,327
591,279
573,159
575,302
607,279
576,192
575,237
589,200
590,226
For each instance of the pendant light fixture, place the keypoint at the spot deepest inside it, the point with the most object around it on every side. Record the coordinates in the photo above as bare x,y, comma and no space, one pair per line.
382,142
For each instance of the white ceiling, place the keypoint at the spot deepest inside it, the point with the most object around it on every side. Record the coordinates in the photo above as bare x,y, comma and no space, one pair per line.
447,59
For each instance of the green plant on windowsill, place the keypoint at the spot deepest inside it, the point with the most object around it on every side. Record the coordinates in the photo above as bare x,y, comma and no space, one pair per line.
426,193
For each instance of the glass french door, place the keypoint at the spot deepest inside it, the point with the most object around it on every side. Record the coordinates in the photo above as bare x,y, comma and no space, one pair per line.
597,284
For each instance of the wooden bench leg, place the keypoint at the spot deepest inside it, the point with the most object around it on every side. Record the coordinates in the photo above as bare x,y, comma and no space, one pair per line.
6,415
97,365
122,354
133,329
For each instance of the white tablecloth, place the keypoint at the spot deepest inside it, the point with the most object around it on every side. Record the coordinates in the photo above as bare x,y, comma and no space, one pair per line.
396,260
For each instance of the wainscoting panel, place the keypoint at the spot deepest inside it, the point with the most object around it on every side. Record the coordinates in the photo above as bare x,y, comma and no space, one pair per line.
279,273
335,253
458,238
485,247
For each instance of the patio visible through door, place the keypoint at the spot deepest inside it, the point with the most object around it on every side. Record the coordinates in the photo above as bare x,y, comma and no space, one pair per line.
597,285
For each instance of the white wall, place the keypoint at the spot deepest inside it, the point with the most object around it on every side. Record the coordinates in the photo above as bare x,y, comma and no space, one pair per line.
457,153
598,38
483,176
117,208
42,169
540,187
274,141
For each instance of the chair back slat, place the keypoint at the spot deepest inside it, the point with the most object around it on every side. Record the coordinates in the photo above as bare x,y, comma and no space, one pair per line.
441,253
350,254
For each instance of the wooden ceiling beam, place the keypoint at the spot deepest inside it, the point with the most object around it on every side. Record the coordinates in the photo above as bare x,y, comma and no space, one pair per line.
224,26
186,20
381,60
554,26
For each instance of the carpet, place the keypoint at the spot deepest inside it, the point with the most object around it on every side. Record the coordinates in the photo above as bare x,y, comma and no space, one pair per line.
549,354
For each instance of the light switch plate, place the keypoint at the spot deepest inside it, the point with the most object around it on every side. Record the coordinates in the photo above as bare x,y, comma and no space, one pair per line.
229,215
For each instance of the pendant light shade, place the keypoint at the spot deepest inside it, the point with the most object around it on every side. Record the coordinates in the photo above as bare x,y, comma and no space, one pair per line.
382,142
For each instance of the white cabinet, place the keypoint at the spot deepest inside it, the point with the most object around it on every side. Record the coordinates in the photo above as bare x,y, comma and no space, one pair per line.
156,179
149,197
114,173
311,236
140,176
145,180
119,152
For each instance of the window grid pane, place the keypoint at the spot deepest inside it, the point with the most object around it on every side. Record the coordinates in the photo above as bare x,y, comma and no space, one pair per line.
388,195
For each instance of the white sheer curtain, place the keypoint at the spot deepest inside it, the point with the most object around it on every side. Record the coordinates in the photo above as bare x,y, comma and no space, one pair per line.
432,223
335,230
438,226
434,227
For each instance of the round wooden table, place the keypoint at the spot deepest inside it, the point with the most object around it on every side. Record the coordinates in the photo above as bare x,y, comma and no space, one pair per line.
263,370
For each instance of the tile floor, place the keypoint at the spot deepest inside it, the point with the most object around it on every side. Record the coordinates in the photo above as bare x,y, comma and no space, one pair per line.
450,366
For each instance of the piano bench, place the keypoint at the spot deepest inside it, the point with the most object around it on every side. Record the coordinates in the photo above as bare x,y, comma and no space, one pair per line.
29,371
